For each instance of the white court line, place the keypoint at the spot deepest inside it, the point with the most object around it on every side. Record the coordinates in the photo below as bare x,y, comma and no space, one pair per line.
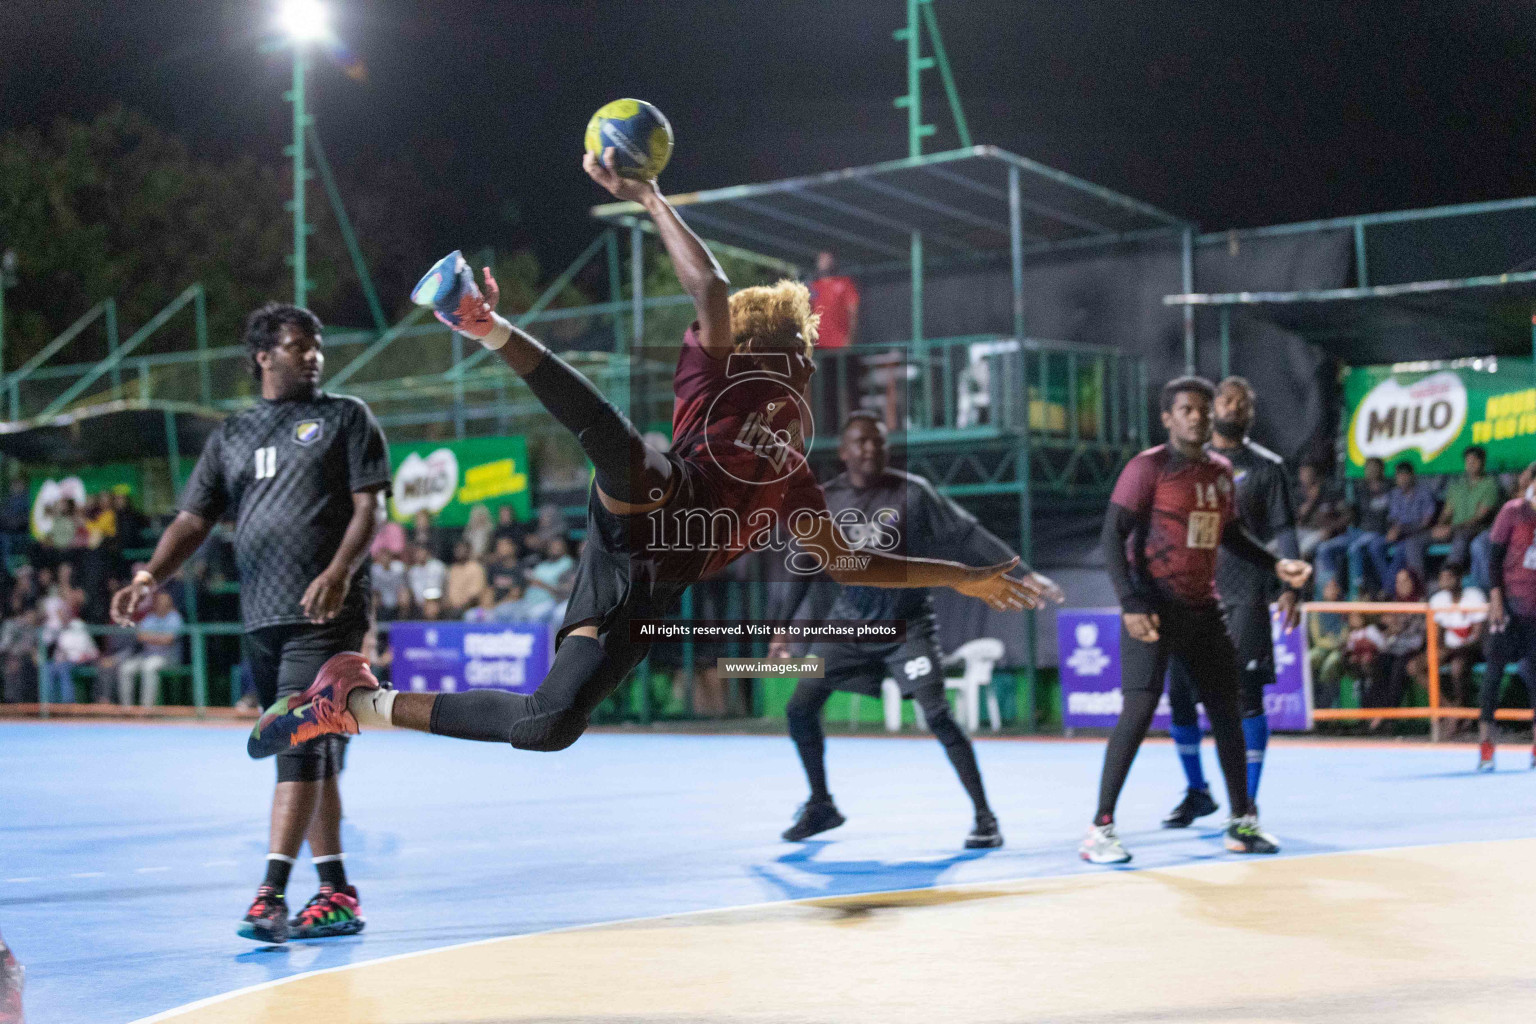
149,871
89,874
1233,860
29,878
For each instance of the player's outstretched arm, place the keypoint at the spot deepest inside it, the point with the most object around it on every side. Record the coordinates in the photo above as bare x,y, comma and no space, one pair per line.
990,583
177,544
697,269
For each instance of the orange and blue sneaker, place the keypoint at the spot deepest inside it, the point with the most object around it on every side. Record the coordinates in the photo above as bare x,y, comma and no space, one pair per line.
320,710
329,913
449,289
267,920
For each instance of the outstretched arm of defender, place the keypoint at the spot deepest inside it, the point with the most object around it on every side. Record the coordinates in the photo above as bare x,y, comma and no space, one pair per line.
696,267
183,537
990,583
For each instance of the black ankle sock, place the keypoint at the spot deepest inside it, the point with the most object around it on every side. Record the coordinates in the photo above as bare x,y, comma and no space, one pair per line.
278,870
333,871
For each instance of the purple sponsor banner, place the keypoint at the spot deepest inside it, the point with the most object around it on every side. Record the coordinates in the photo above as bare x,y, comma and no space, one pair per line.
447,657
1088,640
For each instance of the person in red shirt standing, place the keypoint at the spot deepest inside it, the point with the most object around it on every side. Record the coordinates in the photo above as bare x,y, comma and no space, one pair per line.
1171,509
657,522
1511,610
835,299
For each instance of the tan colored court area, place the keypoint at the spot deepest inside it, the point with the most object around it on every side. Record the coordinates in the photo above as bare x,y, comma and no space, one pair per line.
1439,933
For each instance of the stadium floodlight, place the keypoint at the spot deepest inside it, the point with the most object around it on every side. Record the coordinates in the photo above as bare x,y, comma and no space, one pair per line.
305,21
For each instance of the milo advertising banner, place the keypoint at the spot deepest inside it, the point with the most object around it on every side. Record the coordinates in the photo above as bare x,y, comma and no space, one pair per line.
448,478
1427,413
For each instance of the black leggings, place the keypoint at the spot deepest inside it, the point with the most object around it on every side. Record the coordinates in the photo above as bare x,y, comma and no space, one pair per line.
1198,638
1515,644
804,714
1254,641
555,715
627,469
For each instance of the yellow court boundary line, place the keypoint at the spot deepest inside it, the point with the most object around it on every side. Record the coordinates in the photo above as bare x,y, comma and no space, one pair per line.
1232,860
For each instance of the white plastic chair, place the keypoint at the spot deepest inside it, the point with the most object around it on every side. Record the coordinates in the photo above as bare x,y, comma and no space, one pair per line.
979,656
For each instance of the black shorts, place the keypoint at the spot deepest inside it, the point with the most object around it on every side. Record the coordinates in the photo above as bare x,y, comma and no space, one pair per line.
621,575
1253,638
1195,636
861,668
285,660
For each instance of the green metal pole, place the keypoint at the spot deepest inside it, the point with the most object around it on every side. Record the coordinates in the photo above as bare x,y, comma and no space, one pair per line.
621,379
1016,245
458,386
1360,268
688,674
615,285
110,309
1226,342
204,371
348,236
1187,267
2,323
914,82
942,58
199,671
300,175
919,345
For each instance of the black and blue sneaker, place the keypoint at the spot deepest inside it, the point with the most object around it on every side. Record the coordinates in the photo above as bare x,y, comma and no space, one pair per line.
814,816
1197,803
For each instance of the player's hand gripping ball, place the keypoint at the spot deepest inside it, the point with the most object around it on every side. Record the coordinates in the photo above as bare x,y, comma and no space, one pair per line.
638,133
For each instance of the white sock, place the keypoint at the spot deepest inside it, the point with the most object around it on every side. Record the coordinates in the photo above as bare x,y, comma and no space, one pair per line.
372,708
499,336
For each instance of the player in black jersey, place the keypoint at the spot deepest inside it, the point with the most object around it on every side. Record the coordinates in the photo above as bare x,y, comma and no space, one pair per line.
883,509
1264,508
300,471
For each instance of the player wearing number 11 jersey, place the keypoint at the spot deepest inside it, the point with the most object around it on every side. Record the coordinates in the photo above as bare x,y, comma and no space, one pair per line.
1171,509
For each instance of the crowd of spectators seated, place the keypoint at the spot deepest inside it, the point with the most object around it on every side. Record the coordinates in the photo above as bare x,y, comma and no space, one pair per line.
1383,542
55,643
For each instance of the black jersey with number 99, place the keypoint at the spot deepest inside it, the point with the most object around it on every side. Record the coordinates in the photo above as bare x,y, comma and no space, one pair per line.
288,471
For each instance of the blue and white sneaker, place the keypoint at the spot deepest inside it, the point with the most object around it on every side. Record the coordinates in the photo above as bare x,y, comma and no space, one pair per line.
449,289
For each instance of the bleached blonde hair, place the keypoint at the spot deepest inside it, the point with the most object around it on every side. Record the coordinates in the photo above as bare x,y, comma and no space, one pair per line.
776,316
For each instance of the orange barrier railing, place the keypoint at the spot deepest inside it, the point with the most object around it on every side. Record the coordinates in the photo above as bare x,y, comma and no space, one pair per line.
1435,712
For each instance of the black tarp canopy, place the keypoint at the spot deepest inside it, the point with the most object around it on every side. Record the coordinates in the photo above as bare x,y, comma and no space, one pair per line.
111,432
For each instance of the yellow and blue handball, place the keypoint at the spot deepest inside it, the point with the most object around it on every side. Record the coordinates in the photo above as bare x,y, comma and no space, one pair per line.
639,134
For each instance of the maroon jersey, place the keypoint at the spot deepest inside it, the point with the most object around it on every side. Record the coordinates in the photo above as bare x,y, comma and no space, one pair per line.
741,426
1515,526
1180,506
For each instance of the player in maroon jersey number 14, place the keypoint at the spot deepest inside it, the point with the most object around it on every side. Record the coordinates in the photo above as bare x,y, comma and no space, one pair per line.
1172,508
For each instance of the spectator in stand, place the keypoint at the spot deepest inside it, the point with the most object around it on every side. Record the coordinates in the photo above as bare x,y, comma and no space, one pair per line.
426,578
1460,613
515,607
131,523
15,521
100,521
18,652
1410,513
1327,639
1366,642
116,647
61,532
551,525
484,609
504,568
508,526
159,637
73,647
549,582
1402,656
836,300
479,531
466,578
426,534
1368,520
432,609
1471,502
1321,514
389,542
390,590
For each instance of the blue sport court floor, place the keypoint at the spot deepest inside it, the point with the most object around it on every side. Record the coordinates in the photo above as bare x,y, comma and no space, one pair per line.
128,852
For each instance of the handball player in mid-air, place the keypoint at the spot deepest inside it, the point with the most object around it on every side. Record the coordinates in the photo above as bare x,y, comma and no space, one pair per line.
737,458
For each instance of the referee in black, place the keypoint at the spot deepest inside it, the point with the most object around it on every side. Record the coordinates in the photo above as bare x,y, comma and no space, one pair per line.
300,471
884,509
1265,509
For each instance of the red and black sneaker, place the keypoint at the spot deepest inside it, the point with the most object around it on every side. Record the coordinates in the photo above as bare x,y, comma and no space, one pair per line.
320,710
331,912
267,920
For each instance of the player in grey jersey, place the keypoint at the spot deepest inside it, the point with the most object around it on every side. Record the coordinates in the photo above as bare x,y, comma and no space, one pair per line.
300,471
884,509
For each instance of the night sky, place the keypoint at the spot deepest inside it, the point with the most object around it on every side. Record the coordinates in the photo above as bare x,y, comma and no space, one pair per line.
1233,114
